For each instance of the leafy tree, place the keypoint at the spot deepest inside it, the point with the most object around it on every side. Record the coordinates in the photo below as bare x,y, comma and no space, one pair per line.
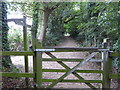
6,61
48,8
55,29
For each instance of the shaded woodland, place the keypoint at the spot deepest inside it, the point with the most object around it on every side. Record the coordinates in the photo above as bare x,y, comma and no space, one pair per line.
86,22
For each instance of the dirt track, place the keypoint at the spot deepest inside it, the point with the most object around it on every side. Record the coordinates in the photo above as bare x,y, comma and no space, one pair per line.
67,42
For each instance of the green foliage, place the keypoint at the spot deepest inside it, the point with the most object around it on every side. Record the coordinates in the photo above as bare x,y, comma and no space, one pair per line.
15,39
97,20
15,35
24,7
5,45
55,30
6,61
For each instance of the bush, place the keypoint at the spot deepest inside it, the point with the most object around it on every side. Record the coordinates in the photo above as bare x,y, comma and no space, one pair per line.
15,38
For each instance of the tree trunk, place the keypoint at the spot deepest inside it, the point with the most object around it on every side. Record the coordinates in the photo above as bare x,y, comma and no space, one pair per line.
6,61
45,24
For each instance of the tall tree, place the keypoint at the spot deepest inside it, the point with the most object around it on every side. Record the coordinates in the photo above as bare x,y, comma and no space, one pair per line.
47,9
6,61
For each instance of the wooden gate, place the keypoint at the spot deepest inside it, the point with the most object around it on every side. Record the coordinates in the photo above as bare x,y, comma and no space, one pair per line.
105,71
67,69
106,58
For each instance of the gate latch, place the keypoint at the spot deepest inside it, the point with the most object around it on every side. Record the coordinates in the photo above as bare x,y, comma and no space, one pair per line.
44,50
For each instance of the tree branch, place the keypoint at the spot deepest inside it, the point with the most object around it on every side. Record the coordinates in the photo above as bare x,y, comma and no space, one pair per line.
42,10
55,6
73,17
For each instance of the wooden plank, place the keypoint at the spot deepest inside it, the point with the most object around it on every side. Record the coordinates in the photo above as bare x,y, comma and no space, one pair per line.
16,53
60,62
39,69
72,70
25,43
115,54
62,59
106,71
70,60
114,76
66,67
73,81
26,69
26,63
33,47
84,61
37,63
9,74
81,78
78,71
15,19
96,60
18,21
34,66
74,49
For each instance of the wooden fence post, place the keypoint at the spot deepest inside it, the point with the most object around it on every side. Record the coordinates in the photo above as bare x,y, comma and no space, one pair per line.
106,64
33,34
38,69
38,63
25,46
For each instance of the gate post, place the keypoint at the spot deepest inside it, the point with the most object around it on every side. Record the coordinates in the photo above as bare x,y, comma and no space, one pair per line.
106,64
37,62
25,48
38,73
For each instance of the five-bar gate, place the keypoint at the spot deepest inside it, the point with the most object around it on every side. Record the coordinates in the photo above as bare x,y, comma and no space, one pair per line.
106,60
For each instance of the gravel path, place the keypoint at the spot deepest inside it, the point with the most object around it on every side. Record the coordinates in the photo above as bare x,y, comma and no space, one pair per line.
67,42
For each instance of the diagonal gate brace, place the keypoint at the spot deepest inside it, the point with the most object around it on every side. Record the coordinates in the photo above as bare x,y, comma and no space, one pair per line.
72,70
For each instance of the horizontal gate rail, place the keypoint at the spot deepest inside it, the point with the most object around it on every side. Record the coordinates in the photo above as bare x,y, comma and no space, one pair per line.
16,53
73,81
74,49
10,74
62,59
115,54
70,60
114,76
78,71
